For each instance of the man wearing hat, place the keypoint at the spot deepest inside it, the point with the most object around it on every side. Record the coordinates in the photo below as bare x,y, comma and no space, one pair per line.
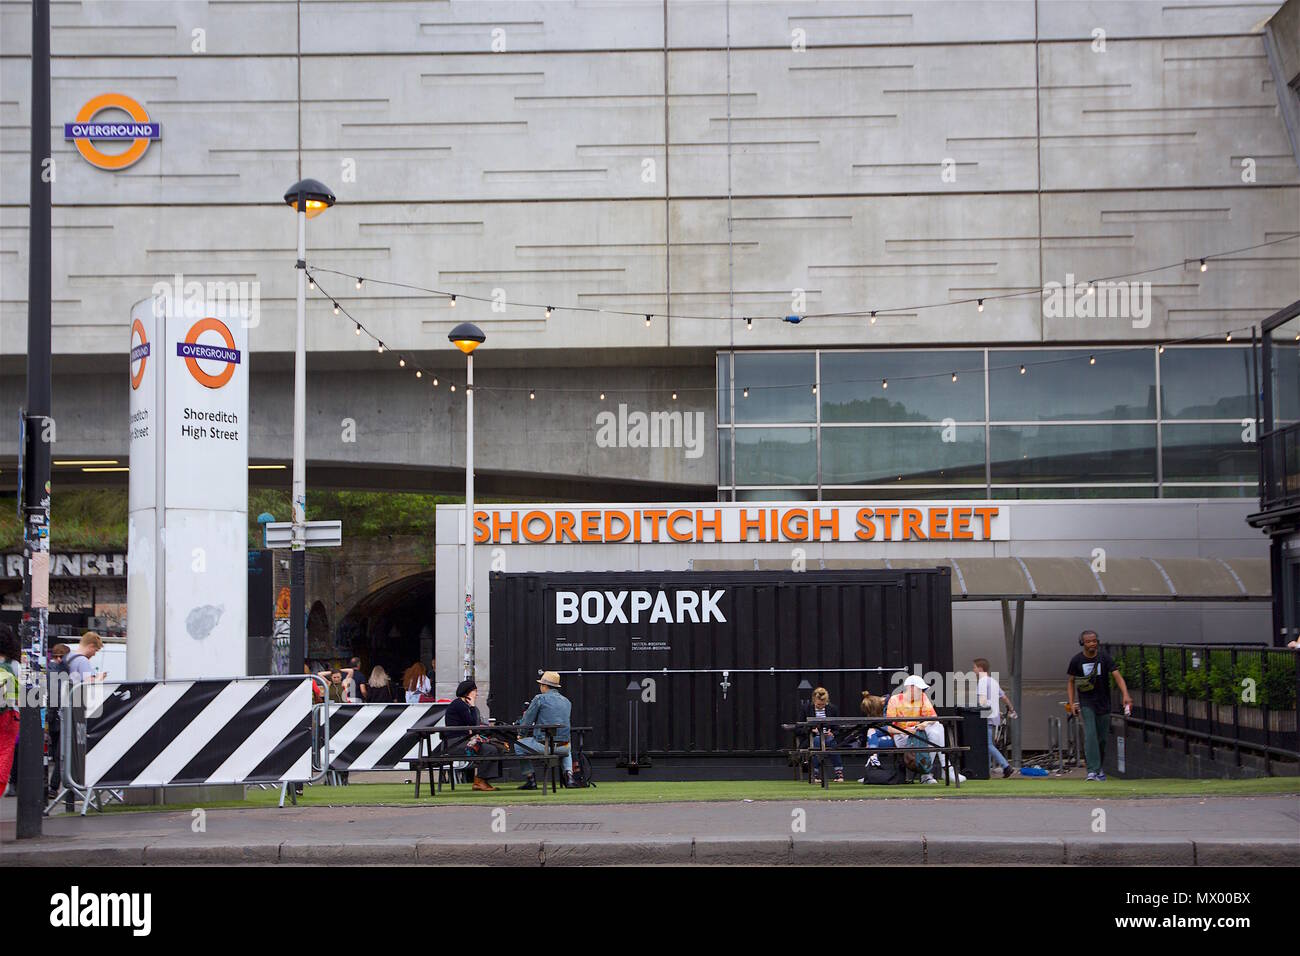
911,702
548,707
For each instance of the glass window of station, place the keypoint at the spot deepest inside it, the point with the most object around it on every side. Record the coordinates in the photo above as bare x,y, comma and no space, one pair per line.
1107,422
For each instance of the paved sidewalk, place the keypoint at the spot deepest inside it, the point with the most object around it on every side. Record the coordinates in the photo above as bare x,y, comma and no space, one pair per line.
1204,831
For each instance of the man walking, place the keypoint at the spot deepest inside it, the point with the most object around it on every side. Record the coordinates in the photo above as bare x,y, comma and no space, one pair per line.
1090,672
991,696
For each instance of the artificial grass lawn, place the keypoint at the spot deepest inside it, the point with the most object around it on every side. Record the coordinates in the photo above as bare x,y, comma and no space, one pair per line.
624,791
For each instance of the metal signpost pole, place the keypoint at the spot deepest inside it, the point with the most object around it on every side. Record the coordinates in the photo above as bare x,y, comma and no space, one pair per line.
298,556
470,650
38,434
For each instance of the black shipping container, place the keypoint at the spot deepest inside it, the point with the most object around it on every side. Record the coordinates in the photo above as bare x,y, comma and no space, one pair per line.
802,626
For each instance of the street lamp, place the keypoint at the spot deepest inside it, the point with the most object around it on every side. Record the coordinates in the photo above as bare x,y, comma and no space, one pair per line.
310,198
467,337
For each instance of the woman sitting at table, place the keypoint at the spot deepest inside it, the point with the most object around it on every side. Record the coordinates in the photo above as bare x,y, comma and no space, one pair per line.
817,709
462,712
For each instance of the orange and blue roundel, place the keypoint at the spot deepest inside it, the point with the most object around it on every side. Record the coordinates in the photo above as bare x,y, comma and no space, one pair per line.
195,352
139,353
138,131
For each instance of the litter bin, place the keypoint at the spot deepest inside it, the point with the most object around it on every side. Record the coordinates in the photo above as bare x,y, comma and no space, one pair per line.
973,733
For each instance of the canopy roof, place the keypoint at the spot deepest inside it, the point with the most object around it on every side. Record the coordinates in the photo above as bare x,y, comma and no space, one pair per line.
1062,579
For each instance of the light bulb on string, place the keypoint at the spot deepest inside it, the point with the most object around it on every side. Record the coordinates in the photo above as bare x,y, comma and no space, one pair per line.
336,308
435,381
1203,265
884,383
647,320
745,393
873,318
1160,350
357,330
1228,337
980,306
549,310
1092,360
451,301
674,396
419,374
401,363
1022,370
311,283
381,348
531,396
749,324
602,396
954,376
453,386
359,280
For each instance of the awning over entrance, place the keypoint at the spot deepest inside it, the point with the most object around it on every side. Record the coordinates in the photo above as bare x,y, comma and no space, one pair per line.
1064,579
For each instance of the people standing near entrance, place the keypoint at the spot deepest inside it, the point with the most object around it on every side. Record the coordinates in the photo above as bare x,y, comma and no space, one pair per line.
415,682
356,677
337,691
58,671
11,655
1090,672
78,662
379,689
549,707
990,695
820,708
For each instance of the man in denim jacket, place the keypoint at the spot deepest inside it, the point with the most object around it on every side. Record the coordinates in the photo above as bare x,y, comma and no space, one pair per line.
548,707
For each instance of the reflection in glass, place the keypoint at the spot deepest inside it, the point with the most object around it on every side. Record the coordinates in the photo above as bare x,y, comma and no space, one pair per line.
780,387
1073,453
921,388
1208,453
1067,387
776,456
927,454
1206,383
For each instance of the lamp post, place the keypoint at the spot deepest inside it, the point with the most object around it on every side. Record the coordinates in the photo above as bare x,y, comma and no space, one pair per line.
467,337
309,198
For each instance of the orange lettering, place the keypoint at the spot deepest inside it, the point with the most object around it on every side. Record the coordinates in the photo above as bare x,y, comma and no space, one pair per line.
671,526
757,523
986,516
512,525
655,517
529,534
564,522
794,524
866,527
481,531
713,524
961,524
886,515
912,524
590,525
609,526
820,524
938,524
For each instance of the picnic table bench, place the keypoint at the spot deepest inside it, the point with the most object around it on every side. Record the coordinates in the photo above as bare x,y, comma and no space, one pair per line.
805,729
439,762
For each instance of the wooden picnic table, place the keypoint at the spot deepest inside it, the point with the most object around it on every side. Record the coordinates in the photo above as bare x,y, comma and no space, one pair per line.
806,728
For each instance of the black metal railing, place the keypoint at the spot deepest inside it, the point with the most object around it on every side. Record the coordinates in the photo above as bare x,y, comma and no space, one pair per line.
1240,698
1280,468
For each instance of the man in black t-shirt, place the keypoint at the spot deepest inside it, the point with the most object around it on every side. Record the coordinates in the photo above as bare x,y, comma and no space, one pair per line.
1090,674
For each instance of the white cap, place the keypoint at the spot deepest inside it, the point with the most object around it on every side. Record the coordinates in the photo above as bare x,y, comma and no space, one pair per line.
915,681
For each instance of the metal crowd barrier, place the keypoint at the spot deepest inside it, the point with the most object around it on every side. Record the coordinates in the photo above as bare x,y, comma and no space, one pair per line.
120,735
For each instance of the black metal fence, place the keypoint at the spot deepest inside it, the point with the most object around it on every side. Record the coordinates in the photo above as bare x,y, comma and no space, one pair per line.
1234,697
1280,468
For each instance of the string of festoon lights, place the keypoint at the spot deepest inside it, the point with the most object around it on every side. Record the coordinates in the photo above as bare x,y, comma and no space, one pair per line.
407,361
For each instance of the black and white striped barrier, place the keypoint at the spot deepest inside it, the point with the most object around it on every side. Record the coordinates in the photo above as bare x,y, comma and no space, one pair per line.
378,736
238,730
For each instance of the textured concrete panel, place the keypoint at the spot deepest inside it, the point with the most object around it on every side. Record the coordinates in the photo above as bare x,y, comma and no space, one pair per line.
877,120
1122,18
1157,114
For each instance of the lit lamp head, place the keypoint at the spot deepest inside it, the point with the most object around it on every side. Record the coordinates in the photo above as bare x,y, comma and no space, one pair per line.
467,337
313,194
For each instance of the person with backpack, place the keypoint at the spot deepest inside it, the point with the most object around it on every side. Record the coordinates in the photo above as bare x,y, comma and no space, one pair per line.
11,656
881,768
78,662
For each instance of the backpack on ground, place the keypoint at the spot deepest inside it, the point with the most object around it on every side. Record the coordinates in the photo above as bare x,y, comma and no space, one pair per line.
884,767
